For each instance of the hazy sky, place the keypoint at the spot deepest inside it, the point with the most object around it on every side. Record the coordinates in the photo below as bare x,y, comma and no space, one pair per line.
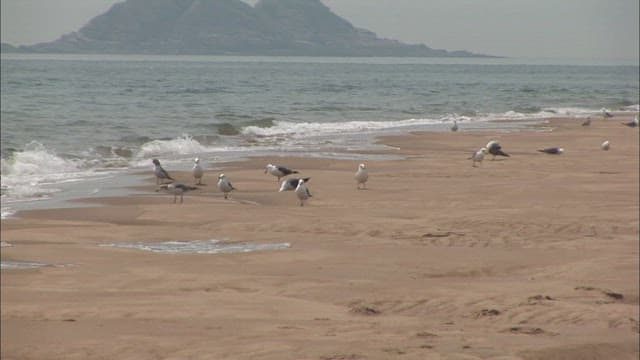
602,29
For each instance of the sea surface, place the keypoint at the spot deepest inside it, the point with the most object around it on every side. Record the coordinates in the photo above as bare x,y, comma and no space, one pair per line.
77,126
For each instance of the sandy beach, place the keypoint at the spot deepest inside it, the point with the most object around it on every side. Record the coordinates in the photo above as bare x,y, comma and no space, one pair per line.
534,256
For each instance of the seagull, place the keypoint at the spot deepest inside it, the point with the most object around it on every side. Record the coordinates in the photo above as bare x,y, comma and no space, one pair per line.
605,145
552,150
197,171
177,189
454,127
587,122
632,123
494,148
478,156
362,175
224,185
302,192
291,184
160,173
279,171
606,113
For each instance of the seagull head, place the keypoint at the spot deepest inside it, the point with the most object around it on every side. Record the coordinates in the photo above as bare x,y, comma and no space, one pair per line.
484,150
221,176
560,150
267,168
155,162
362,166
196,160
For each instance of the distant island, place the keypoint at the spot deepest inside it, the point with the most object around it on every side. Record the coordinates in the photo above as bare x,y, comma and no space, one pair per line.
227,27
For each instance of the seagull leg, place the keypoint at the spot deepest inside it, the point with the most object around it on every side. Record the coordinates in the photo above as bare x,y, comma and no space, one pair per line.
181,198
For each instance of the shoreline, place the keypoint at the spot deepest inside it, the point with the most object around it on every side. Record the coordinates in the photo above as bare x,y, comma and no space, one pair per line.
130,177
530,257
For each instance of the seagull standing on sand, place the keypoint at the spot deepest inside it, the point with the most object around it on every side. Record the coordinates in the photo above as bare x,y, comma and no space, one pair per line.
552,150
160,173
177,189
197,171
291,184
478,156
587,122
454,127
279,171
302,192
224,185
606,113
362,175
632,123
494,148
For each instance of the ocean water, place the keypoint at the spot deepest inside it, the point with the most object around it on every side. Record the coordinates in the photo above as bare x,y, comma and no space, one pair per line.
77,126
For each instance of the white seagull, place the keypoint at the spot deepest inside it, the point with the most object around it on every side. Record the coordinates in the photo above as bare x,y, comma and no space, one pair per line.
279,171
478,156
302,192
291,184
494,148
160,173
197,171
177,189
605,145
632,123
362,175
606,113
224,185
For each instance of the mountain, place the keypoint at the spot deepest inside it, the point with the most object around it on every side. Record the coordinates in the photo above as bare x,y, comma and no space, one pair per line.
231,27
8,48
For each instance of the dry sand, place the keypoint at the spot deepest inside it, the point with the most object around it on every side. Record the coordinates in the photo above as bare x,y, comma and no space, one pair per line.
530,257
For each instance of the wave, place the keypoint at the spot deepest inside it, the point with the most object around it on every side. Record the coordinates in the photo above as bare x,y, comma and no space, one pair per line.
35,159
290,128
36,173
182,145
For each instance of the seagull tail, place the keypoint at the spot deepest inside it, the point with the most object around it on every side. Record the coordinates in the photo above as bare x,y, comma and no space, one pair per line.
306,179
502,153
294,171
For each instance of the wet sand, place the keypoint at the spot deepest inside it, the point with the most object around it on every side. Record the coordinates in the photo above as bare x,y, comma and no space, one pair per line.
533,256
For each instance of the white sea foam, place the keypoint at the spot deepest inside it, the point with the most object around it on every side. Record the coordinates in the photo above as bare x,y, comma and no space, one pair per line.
20,265
182,145
307,129
37,172
302,129
200,247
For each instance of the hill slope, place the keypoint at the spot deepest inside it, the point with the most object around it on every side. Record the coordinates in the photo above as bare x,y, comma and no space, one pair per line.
271,27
